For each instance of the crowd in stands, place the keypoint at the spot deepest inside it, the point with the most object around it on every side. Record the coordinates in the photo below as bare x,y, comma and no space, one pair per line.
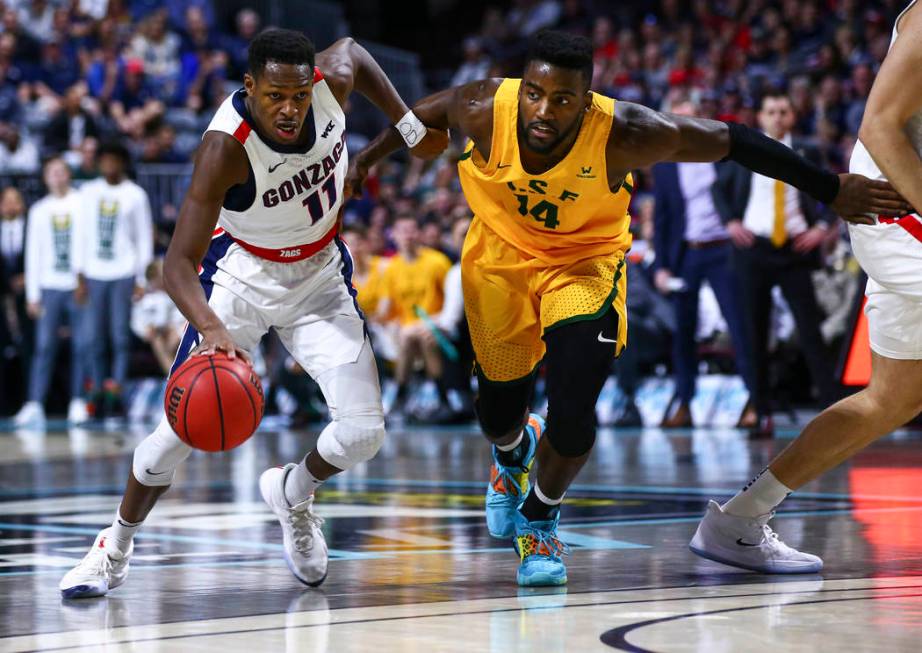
75,74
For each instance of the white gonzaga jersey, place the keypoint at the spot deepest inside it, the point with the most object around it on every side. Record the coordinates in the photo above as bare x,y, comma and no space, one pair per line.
861,161
292,197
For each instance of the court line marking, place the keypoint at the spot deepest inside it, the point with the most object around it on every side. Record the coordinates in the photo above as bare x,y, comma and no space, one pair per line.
587,602
357,483
617,637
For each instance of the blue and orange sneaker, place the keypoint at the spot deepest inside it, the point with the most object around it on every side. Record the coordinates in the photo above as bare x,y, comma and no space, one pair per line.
509,485
539,551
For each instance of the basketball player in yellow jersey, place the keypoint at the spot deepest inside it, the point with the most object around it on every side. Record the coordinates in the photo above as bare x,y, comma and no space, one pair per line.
547,176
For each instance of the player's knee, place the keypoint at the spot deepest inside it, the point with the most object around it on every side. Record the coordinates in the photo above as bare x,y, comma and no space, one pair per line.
352,438
158,455
500,420
571,433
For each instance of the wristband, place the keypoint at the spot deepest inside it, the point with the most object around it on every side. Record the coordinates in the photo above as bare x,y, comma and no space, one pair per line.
411,129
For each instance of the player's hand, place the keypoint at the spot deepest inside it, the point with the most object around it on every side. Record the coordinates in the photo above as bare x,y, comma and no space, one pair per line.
740,235
859,196
433,144
661,280
220,340
355,179
809,240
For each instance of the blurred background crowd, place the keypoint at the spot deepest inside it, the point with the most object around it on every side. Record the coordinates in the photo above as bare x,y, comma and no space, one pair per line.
120,91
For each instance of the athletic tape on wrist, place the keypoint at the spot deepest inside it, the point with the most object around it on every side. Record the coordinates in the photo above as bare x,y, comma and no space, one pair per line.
411,129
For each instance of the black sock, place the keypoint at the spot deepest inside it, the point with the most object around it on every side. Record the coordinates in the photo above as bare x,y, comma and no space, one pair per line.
534,509
514,457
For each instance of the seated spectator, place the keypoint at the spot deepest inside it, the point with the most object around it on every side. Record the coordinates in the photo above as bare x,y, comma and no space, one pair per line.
18,151
476,64
135,104
155,318
37,19
160,145
71,126
158,49
236,45
413,291
85,167
51,246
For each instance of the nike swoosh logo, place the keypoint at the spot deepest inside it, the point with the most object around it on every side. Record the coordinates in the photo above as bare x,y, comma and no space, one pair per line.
276,166
147,469
603,339
501,165
742,543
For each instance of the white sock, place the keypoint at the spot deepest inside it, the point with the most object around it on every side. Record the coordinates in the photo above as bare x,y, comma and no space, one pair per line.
121,533
543,498
512,445
760,497
300,484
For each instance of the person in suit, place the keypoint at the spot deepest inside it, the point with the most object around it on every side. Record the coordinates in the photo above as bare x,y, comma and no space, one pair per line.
776,231
12,254
693,246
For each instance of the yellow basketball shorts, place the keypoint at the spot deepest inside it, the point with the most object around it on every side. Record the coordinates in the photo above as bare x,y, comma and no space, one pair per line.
511,300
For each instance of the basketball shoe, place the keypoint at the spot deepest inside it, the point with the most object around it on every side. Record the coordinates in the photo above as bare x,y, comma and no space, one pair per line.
509,485
101,570
539,551
305,547
748,543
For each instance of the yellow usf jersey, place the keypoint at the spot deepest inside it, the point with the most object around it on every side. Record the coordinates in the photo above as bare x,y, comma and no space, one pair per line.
566,214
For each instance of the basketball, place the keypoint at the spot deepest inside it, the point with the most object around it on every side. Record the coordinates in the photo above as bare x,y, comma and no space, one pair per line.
214,403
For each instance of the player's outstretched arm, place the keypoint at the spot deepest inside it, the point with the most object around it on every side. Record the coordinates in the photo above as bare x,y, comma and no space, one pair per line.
467,108
347,67
894,99
220,163
641,136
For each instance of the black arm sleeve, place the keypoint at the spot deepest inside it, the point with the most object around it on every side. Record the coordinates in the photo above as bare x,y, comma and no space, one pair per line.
768,157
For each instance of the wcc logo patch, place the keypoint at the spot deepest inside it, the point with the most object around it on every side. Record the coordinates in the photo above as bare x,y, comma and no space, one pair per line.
327,129
586,172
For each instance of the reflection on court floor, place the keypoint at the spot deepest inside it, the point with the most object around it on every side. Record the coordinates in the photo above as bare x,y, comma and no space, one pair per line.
414,569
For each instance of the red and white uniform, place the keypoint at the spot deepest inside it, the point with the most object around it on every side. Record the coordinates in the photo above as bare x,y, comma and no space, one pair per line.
891,254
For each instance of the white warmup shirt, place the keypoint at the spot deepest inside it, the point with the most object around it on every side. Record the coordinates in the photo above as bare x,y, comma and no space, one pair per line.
51,244
117,233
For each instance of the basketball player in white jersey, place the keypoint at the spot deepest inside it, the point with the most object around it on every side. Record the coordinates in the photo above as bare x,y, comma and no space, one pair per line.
269,174
889,248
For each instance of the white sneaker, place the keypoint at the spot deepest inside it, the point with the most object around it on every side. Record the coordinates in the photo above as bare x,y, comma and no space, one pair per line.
748,543
101,570
77,412
32,413
305,547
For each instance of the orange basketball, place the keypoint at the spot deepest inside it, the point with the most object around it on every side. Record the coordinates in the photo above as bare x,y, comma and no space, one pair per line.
214,403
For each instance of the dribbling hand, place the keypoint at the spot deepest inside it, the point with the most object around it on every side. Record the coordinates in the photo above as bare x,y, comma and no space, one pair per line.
220,340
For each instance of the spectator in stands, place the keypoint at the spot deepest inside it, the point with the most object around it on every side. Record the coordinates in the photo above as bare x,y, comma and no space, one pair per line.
26,47
71,126
160,145
12,251
117,248
247,24
776,231
155,318
157,48
693,247
367,269
86,166
528,17
412,292
135,104
52,244
37,19
476,64
18,151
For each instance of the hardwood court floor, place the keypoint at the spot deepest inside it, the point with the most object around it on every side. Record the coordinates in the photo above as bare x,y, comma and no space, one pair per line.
413,568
